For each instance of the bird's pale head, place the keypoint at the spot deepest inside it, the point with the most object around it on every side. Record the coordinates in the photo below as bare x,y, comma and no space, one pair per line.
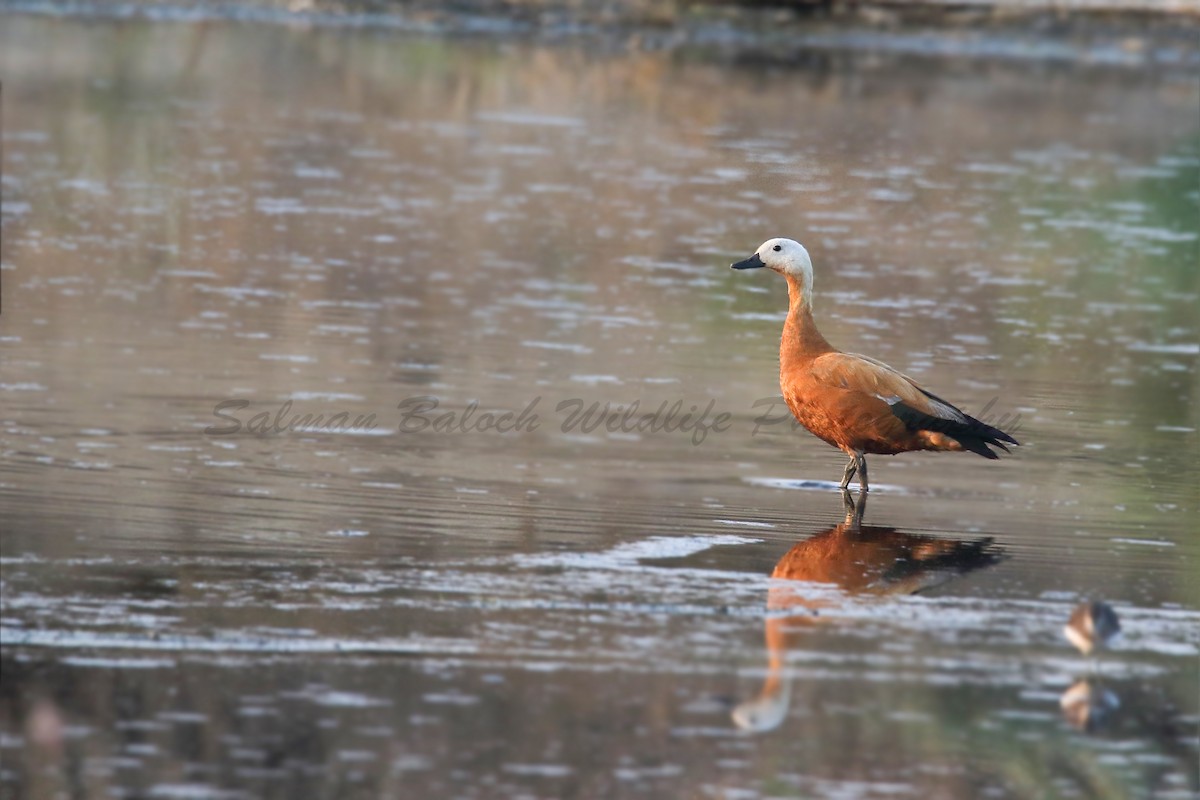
785,256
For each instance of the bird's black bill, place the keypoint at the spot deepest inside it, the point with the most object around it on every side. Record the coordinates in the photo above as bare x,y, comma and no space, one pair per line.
753,262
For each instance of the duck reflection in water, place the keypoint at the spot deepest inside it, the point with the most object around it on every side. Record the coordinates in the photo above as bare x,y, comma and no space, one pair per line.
858,559
1087,704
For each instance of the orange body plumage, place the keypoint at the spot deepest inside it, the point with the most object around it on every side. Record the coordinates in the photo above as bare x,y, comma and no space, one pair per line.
855,403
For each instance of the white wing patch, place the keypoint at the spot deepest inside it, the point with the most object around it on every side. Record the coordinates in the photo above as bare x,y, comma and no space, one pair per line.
945,411
936,408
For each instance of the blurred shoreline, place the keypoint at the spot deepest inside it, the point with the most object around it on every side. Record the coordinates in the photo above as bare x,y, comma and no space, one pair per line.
1114,32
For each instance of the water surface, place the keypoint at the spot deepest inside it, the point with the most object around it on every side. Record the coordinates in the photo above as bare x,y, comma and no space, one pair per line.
349,220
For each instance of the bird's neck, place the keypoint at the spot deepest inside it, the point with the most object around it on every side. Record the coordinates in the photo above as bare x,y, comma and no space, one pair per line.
801,342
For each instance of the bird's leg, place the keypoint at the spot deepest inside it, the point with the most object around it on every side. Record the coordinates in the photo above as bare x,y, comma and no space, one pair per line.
849,473
861,466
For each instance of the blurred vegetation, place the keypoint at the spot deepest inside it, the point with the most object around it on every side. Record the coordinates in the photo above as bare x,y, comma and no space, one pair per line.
565,16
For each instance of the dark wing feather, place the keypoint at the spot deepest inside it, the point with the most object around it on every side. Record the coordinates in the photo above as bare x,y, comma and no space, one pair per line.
994,433
972,434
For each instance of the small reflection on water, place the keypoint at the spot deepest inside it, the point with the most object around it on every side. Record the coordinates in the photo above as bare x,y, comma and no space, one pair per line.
858,560
1087,704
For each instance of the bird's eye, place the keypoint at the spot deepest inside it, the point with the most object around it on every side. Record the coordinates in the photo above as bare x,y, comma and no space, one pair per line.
777,248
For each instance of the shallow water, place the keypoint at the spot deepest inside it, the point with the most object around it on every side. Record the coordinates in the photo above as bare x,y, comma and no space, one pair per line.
351,220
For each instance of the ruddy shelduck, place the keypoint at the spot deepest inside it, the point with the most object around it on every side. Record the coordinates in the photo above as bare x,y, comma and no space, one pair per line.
853,402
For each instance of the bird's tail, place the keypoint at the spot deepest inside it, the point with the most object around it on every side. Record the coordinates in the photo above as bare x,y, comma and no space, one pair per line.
973,435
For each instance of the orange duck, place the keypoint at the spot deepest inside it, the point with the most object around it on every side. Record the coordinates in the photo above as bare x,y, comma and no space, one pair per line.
857,404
